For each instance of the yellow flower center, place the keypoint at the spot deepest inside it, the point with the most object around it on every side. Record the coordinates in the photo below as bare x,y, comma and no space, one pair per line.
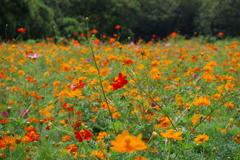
127,140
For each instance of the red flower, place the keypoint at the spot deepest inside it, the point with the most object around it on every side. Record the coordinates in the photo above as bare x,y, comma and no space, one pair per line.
117,27
44,85
28,52
82,35
48,127
79,85
220,34
72,148
65,105
32,134
119,82
83,134
76,126
30,79
128,61
22,30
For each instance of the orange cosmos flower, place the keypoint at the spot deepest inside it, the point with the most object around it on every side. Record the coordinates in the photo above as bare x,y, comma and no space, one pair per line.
117,27
104,36
229,105
3,121
174,34
104,71
56,83
195,118
164,122
171,134
101,135
201,138
66,138
216,96
8,142
127,143
94,31
112,40
22,30
237,138
201,101
98,154
49,38
116,115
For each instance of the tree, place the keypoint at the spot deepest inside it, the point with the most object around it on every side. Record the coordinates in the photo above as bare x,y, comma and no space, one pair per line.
35,16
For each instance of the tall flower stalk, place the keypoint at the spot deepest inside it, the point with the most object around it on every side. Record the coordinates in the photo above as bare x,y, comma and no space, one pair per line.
99,76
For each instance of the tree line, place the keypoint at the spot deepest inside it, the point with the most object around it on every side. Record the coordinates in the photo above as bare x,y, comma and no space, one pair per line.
137,18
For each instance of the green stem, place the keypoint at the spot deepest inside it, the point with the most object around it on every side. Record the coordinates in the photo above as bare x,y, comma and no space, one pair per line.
100,79
169,151
17,37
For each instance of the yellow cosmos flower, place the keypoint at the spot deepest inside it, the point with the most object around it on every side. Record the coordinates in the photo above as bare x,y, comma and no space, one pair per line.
201,138
202,101
104,71
171,134
127,143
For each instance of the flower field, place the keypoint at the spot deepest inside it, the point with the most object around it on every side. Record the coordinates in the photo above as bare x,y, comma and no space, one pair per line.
173,99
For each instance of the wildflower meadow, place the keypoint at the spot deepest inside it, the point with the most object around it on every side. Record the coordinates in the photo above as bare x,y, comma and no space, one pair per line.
101,98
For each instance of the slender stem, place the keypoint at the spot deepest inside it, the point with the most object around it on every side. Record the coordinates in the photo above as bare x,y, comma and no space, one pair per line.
169,151
100,79
17,37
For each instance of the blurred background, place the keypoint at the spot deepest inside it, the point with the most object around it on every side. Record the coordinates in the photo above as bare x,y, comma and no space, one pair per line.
137,18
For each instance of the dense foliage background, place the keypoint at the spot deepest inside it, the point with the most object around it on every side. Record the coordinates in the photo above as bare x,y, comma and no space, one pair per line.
138,18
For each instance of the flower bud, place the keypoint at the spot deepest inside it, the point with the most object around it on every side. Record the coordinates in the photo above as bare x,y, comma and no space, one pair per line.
41,121
9,109
142,53
154,134
28,158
